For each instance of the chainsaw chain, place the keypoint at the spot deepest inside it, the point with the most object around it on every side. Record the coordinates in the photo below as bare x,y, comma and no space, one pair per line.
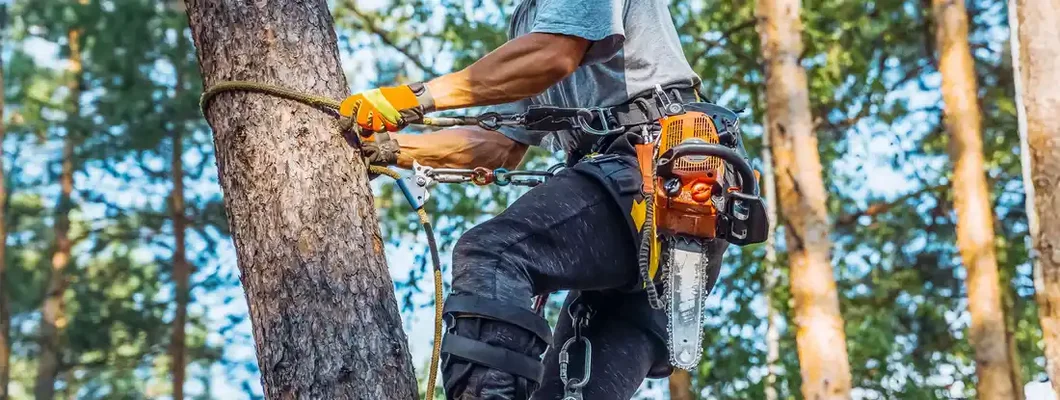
668,290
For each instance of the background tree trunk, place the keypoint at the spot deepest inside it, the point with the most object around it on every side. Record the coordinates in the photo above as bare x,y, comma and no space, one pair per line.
5,317
769,179
819,335
1039,72
975,226
681,385
181,269
321,301
53,311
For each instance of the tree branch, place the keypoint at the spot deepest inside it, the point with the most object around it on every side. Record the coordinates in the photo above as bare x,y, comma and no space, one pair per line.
368,23
884,206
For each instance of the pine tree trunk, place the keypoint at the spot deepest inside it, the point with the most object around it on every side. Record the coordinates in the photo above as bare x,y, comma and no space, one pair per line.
53,312
1039,43
819,335
181,269
308,246
681,385
975,228
1025,167
5,317
769,273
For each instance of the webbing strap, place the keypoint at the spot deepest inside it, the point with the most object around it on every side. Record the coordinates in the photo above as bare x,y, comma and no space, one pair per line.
491,356
483,307
638,111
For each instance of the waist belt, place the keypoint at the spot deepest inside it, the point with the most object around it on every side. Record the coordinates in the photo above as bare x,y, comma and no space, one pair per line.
604,121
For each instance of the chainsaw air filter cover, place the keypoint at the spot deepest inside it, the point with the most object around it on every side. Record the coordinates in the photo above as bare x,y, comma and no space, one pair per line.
684,203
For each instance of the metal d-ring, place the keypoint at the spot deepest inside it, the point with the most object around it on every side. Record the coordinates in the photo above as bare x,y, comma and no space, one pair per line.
586,114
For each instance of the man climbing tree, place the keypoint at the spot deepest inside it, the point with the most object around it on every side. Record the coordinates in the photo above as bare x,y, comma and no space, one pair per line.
614,82
600,72
325,320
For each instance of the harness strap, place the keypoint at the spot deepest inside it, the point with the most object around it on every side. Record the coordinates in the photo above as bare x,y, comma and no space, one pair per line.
487,308
494,357
640,110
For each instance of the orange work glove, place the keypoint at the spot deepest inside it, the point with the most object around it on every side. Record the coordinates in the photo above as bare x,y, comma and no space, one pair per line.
387,109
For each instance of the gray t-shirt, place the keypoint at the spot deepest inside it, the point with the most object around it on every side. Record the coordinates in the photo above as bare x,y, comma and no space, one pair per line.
635,47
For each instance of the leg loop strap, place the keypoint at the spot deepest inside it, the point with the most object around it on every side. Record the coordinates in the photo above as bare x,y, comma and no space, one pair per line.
493,357
492,309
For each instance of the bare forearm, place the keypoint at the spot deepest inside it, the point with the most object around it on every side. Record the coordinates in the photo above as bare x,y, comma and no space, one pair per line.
464,147
519,69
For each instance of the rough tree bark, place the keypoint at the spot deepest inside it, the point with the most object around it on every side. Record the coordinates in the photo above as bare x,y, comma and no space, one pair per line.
308,246
819,335
769,179
5,318
53,311
181,269
1039,72
681,385
975,222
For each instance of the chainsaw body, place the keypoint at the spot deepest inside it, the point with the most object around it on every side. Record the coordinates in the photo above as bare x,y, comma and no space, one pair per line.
702,189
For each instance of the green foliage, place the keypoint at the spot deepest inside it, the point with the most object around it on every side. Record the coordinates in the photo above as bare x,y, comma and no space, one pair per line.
140,88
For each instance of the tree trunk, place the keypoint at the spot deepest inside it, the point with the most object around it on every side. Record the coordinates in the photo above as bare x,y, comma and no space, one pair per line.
308,246
181,269
5,318
681,385
819,335
1039,42
975,229
53,312
1028,187
769,273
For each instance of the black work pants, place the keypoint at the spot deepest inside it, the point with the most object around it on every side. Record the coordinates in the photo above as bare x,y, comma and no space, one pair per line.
569,233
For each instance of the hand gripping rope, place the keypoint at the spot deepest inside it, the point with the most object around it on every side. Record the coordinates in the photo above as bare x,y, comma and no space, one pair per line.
414,188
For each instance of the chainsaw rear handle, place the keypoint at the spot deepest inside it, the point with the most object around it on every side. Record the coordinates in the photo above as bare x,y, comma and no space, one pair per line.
748,184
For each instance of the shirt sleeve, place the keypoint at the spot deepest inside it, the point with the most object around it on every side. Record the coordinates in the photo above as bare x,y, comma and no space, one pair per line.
599,21
518,134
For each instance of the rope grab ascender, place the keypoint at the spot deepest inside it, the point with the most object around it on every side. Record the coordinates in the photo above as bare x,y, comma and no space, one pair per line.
687,198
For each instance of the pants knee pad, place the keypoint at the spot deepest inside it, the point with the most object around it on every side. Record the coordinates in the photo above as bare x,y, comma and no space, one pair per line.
492,349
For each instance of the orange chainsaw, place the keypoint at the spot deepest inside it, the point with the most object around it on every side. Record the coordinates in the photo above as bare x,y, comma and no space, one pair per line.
698,188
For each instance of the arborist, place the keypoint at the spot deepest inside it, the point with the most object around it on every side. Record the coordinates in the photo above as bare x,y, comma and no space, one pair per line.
617,59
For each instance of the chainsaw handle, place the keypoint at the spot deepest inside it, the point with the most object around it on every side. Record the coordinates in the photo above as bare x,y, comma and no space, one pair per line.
665,165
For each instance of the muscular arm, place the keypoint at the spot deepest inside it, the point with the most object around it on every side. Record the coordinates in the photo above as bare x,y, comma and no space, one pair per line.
462,147
520,68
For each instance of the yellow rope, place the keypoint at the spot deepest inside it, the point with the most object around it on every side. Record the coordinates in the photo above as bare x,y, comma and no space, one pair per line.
272,90
326,103
436,352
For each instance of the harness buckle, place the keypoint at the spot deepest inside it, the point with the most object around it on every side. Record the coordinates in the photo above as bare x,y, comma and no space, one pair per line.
585,116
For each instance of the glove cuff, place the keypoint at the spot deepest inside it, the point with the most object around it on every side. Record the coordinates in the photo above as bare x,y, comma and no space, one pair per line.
423,96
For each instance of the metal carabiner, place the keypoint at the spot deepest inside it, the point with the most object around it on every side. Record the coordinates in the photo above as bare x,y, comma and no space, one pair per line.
585,115
489,121
564,362
501,176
